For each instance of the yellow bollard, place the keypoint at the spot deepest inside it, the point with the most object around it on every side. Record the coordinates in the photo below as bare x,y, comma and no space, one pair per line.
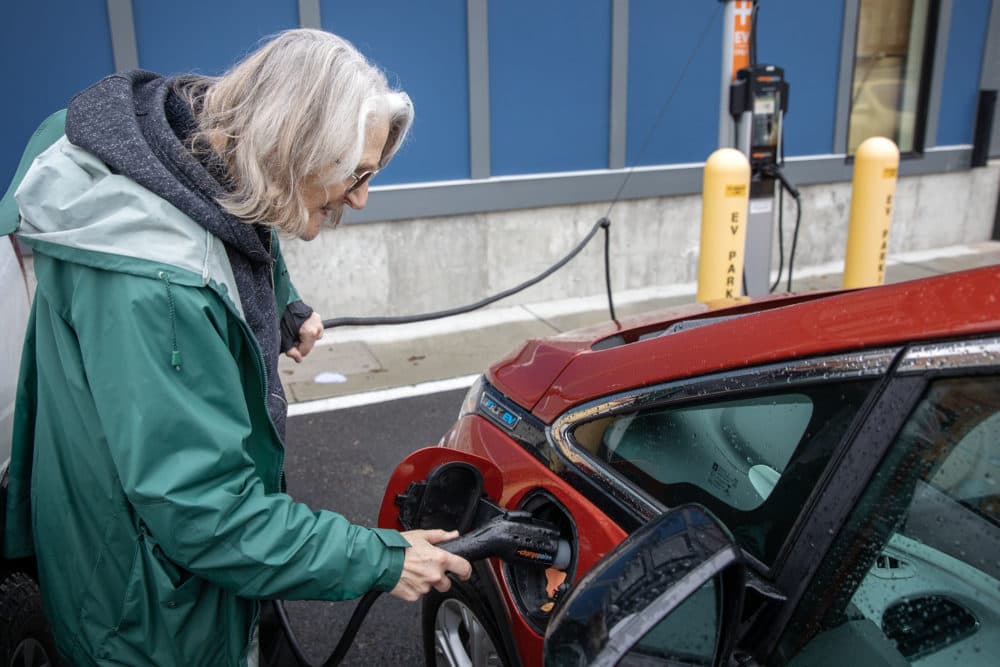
725,195
876,164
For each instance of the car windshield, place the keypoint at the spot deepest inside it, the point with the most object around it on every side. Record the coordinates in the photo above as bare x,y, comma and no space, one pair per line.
753,460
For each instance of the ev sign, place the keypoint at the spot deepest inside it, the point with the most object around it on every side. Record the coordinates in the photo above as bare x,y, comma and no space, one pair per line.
876,168
742,13
724,200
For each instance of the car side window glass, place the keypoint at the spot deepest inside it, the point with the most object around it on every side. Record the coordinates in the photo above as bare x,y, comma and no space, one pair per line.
688,635
734,450
752,460
916,566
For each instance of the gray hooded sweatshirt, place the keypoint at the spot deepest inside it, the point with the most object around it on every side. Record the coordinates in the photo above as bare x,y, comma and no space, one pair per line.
137,125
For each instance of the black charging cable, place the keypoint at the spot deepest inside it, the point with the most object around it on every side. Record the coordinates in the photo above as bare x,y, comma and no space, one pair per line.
786,186
781,240
795,233
794,192
603,223
346,639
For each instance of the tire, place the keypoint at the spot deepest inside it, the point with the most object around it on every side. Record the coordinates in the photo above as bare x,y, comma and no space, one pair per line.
25,635
458,630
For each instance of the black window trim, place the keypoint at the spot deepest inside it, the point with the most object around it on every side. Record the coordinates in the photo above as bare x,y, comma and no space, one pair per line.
854,365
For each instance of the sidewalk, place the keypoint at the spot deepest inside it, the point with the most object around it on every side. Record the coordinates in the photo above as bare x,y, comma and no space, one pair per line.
357,365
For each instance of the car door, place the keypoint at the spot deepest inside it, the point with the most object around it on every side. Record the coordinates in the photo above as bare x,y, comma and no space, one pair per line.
895,557
912,574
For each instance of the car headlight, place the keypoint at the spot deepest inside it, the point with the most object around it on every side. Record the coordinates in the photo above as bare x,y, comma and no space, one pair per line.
485,401
471,402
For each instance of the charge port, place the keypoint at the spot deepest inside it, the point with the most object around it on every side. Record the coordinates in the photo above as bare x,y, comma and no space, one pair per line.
536,590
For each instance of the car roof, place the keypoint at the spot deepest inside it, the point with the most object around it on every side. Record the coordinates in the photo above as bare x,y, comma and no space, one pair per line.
550,375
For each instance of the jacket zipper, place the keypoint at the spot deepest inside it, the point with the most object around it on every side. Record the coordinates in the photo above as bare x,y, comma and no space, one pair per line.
175,353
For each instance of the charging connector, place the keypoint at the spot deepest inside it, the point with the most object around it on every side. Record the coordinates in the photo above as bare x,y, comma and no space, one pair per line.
515,537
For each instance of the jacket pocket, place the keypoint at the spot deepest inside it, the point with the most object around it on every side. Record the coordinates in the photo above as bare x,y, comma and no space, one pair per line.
170,616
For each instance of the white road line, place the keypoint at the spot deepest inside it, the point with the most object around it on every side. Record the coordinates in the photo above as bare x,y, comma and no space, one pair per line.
380,396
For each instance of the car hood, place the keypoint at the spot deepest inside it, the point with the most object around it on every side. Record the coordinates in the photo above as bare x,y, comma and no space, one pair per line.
526,373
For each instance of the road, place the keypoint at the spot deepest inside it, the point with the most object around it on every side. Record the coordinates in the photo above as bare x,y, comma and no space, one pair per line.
342,460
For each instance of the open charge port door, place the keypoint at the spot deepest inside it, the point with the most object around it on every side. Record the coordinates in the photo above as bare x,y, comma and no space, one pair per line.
461,479
450,490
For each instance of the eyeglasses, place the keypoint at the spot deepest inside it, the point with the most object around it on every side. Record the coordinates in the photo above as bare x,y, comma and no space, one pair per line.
361,179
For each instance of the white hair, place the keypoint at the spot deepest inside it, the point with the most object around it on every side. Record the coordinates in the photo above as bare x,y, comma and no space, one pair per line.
297,108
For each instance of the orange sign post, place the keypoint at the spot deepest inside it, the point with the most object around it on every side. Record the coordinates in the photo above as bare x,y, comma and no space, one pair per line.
742,11
737,33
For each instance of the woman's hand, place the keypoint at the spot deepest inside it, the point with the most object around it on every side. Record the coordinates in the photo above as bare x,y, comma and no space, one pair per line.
425,566
310,332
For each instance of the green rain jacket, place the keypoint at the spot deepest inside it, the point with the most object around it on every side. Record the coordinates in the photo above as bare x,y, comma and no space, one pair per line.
145,474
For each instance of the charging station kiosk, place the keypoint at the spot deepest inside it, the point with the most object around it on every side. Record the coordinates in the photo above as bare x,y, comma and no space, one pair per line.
758,99
754,102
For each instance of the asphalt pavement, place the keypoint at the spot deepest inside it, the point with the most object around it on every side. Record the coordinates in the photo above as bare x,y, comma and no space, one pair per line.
341,460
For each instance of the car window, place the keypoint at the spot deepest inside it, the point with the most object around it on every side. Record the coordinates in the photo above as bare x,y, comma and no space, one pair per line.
752,460
917,565
733,450
686,636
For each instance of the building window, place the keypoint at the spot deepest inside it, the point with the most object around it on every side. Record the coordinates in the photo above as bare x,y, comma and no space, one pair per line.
891,72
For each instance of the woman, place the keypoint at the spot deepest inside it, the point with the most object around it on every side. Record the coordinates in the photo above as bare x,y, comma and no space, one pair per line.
146,468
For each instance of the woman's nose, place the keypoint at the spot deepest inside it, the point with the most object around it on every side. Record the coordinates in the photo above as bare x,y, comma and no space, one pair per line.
358,198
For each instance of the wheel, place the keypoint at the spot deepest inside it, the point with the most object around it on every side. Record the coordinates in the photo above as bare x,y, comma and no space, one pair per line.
25,636
459,632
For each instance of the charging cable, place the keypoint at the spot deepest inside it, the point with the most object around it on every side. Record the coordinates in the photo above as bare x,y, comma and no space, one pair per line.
603,223
786,186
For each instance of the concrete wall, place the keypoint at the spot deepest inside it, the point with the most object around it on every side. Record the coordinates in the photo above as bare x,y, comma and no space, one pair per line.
414,266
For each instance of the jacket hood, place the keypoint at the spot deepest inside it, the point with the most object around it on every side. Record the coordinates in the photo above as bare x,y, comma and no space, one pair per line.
73,207
131,121
139,193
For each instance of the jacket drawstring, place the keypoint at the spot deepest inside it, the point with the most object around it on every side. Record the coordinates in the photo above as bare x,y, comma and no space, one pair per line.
175,353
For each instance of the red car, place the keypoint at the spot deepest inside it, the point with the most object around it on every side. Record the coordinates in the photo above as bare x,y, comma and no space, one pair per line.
804,480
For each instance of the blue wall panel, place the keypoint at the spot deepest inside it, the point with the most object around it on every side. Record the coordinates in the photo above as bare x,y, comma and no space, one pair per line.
422,48
550,70
52,50
804,39
663,37
205,37
966,41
